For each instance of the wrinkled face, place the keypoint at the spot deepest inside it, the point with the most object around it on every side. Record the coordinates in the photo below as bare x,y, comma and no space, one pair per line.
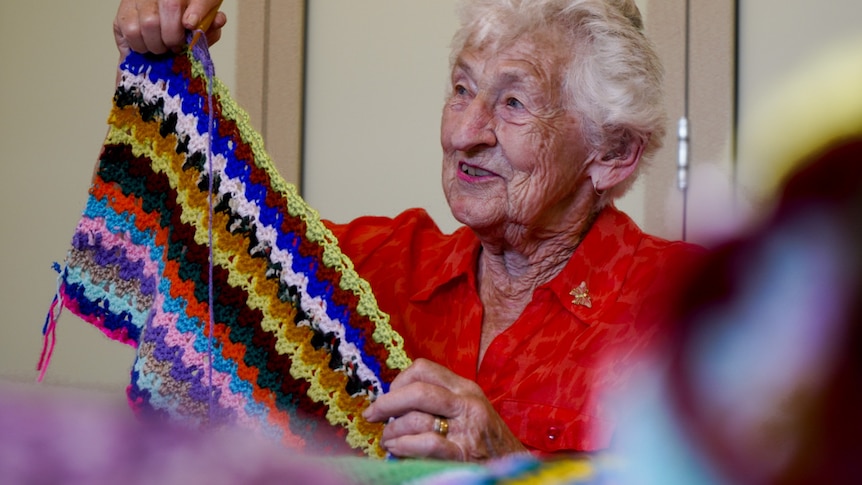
512,154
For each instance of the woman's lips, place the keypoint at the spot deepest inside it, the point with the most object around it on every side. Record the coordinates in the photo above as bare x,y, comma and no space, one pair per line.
473,171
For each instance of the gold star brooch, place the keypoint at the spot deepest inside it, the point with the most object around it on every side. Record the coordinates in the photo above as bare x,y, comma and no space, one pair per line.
582,295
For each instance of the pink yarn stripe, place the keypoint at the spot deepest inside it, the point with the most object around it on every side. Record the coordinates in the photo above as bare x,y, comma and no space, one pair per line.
49,339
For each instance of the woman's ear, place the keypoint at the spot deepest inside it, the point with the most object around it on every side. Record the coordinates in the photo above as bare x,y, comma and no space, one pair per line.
611,166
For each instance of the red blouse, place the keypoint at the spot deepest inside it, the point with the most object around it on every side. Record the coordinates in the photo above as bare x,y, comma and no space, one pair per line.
545,375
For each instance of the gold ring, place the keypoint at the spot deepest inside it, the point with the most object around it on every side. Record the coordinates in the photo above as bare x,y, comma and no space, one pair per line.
441,426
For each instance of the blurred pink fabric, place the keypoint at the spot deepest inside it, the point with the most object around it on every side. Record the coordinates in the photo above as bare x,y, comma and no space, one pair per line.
51,436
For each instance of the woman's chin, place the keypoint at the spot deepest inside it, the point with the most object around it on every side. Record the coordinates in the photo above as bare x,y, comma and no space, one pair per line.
476,218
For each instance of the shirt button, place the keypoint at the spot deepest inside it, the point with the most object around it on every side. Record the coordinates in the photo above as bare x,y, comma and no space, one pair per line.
554,433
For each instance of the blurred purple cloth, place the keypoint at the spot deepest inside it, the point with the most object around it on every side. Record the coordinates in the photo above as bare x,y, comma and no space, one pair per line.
52,436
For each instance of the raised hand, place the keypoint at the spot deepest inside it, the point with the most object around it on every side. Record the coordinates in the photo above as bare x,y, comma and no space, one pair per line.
159,26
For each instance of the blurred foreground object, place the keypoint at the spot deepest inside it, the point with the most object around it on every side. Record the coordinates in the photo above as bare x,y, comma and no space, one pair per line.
51,435
767,361
55,435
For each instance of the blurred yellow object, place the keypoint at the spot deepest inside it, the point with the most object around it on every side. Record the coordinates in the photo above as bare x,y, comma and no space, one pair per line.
816,108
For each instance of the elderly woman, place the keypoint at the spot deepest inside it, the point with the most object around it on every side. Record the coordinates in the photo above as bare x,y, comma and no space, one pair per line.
523,321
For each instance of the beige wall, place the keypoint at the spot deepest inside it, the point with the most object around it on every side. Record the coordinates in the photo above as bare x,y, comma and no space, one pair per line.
376,76
56,82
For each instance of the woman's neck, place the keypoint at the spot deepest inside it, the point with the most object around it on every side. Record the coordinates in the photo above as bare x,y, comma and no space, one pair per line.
516,260
511,267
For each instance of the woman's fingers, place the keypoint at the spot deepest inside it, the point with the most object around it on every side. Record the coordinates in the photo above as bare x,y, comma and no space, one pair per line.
213,33
413,434
427,398
153,34
413,422
171,31
424,370
428,445
419,396
199,10
127,30
158,26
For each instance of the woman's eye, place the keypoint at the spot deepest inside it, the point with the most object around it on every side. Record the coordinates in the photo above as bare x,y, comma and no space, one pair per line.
514,103
460,90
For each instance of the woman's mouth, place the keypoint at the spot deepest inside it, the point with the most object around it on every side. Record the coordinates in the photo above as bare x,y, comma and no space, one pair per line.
473,171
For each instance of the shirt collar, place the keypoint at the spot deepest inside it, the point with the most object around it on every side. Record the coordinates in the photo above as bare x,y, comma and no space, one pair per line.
461,261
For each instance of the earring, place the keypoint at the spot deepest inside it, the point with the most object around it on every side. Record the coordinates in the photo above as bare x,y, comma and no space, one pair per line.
596,189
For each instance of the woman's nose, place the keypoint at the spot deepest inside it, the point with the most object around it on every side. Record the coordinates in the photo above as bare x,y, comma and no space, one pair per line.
474,127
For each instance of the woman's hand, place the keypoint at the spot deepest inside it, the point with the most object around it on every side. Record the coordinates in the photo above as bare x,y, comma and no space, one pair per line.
426,391
158,26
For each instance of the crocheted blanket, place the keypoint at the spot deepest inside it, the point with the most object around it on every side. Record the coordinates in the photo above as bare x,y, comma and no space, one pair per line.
193,250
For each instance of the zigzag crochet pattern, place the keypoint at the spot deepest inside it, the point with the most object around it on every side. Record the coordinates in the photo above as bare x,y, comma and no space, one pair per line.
253,317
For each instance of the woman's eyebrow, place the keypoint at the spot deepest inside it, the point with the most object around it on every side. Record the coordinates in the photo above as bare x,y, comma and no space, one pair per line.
461,65
515,76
